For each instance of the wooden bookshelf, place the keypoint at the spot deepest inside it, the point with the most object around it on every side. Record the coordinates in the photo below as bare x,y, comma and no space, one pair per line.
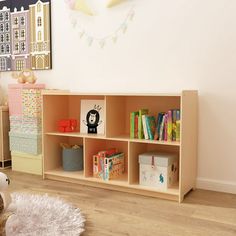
63,104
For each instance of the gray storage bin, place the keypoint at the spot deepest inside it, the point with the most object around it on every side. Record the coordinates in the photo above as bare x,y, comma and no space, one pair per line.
72,159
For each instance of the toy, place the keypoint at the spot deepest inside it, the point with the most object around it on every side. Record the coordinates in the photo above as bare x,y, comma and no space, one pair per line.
26,75
67,125
5,200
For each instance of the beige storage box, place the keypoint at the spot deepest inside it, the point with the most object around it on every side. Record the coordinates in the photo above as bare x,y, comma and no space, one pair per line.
27,163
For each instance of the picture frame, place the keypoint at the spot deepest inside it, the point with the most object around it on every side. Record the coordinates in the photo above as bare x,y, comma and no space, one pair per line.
25,35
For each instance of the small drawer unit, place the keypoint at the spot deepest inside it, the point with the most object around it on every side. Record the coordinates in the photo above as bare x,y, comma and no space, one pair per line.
158,169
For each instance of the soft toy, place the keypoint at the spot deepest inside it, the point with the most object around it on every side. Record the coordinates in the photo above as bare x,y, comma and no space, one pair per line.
5,200
25,76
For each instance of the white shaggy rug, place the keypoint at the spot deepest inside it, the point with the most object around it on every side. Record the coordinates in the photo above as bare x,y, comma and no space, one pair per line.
41,215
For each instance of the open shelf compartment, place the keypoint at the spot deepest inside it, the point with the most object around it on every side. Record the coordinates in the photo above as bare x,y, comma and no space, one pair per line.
93,146
135,149
59,107
119,109
53,150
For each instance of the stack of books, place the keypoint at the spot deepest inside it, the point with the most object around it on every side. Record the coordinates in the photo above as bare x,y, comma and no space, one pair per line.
108,164
164,127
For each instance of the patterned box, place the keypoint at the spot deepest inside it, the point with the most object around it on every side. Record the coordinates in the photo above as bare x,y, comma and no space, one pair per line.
158,169
19,124
32,102
28,143
15,96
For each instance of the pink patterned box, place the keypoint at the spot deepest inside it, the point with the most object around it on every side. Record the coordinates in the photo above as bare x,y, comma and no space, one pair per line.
15,92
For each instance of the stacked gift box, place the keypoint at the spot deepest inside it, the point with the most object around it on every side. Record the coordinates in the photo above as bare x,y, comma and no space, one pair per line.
25,108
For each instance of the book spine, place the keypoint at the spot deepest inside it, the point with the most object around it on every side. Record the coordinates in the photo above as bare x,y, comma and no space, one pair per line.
161,135
150,122
169,126
178,125
140,123
165,127
145,126
132,115
136,126
174,125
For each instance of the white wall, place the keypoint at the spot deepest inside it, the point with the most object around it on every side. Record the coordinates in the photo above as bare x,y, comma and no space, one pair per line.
169,46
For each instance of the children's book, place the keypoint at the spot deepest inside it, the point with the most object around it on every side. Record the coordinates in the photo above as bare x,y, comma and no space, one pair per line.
133,127
177,125
145,132
151,126
158,125
174,119
162,126
113,166
140,123
169,125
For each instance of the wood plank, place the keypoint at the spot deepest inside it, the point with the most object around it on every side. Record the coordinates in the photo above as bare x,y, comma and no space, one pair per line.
116,213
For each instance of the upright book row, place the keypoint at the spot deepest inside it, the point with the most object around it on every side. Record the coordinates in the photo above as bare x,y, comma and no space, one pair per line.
164,127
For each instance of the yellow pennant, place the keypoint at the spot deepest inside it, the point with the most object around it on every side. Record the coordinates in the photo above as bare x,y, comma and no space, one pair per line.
112,3
81,5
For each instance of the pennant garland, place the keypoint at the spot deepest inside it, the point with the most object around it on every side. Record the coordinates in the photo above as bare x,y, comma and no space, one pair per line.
111,37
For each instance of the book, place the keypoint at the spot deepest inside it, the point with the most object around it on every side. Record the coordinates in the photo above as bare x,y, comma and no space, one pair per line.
98,161
140,123
92,118
169,125
145,132
113,166
177,125
136,126
133,116
161,138
158,125
174,116
151,125
165,127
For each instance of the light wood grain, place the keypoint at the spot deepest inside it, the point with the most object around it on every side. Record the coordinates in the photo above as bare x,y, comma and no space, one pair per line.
113,213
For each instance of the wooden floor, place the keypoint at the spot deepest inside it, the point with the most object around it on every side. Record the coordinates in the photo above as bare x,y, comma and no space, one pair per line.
115,213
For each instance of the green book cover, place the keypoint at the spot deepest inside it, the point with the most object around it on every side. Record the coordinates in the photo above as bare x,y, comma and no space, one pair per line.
132,123
140,123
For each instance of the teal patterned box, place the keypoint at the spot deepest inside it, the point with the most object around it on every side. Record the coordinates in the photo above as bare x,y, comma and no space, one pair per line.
28,143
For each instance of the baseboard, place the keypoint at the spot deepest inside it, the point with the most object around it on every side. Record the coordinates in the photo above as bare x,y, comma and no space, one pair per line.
216,185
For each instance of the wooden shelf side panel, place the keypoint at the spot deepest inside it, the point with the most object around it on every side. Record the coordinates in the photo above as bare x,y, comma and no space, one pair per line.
188,151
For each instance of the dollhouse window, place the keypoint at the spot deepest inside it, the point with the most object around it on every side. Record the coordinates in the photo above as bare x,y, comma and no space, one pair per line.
7,37
20,64
23,47
7,48
17,47
2,38
2,49
1,28
16,21
1,17
22,20
22,34
7,16
39,21
7,27
16,34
